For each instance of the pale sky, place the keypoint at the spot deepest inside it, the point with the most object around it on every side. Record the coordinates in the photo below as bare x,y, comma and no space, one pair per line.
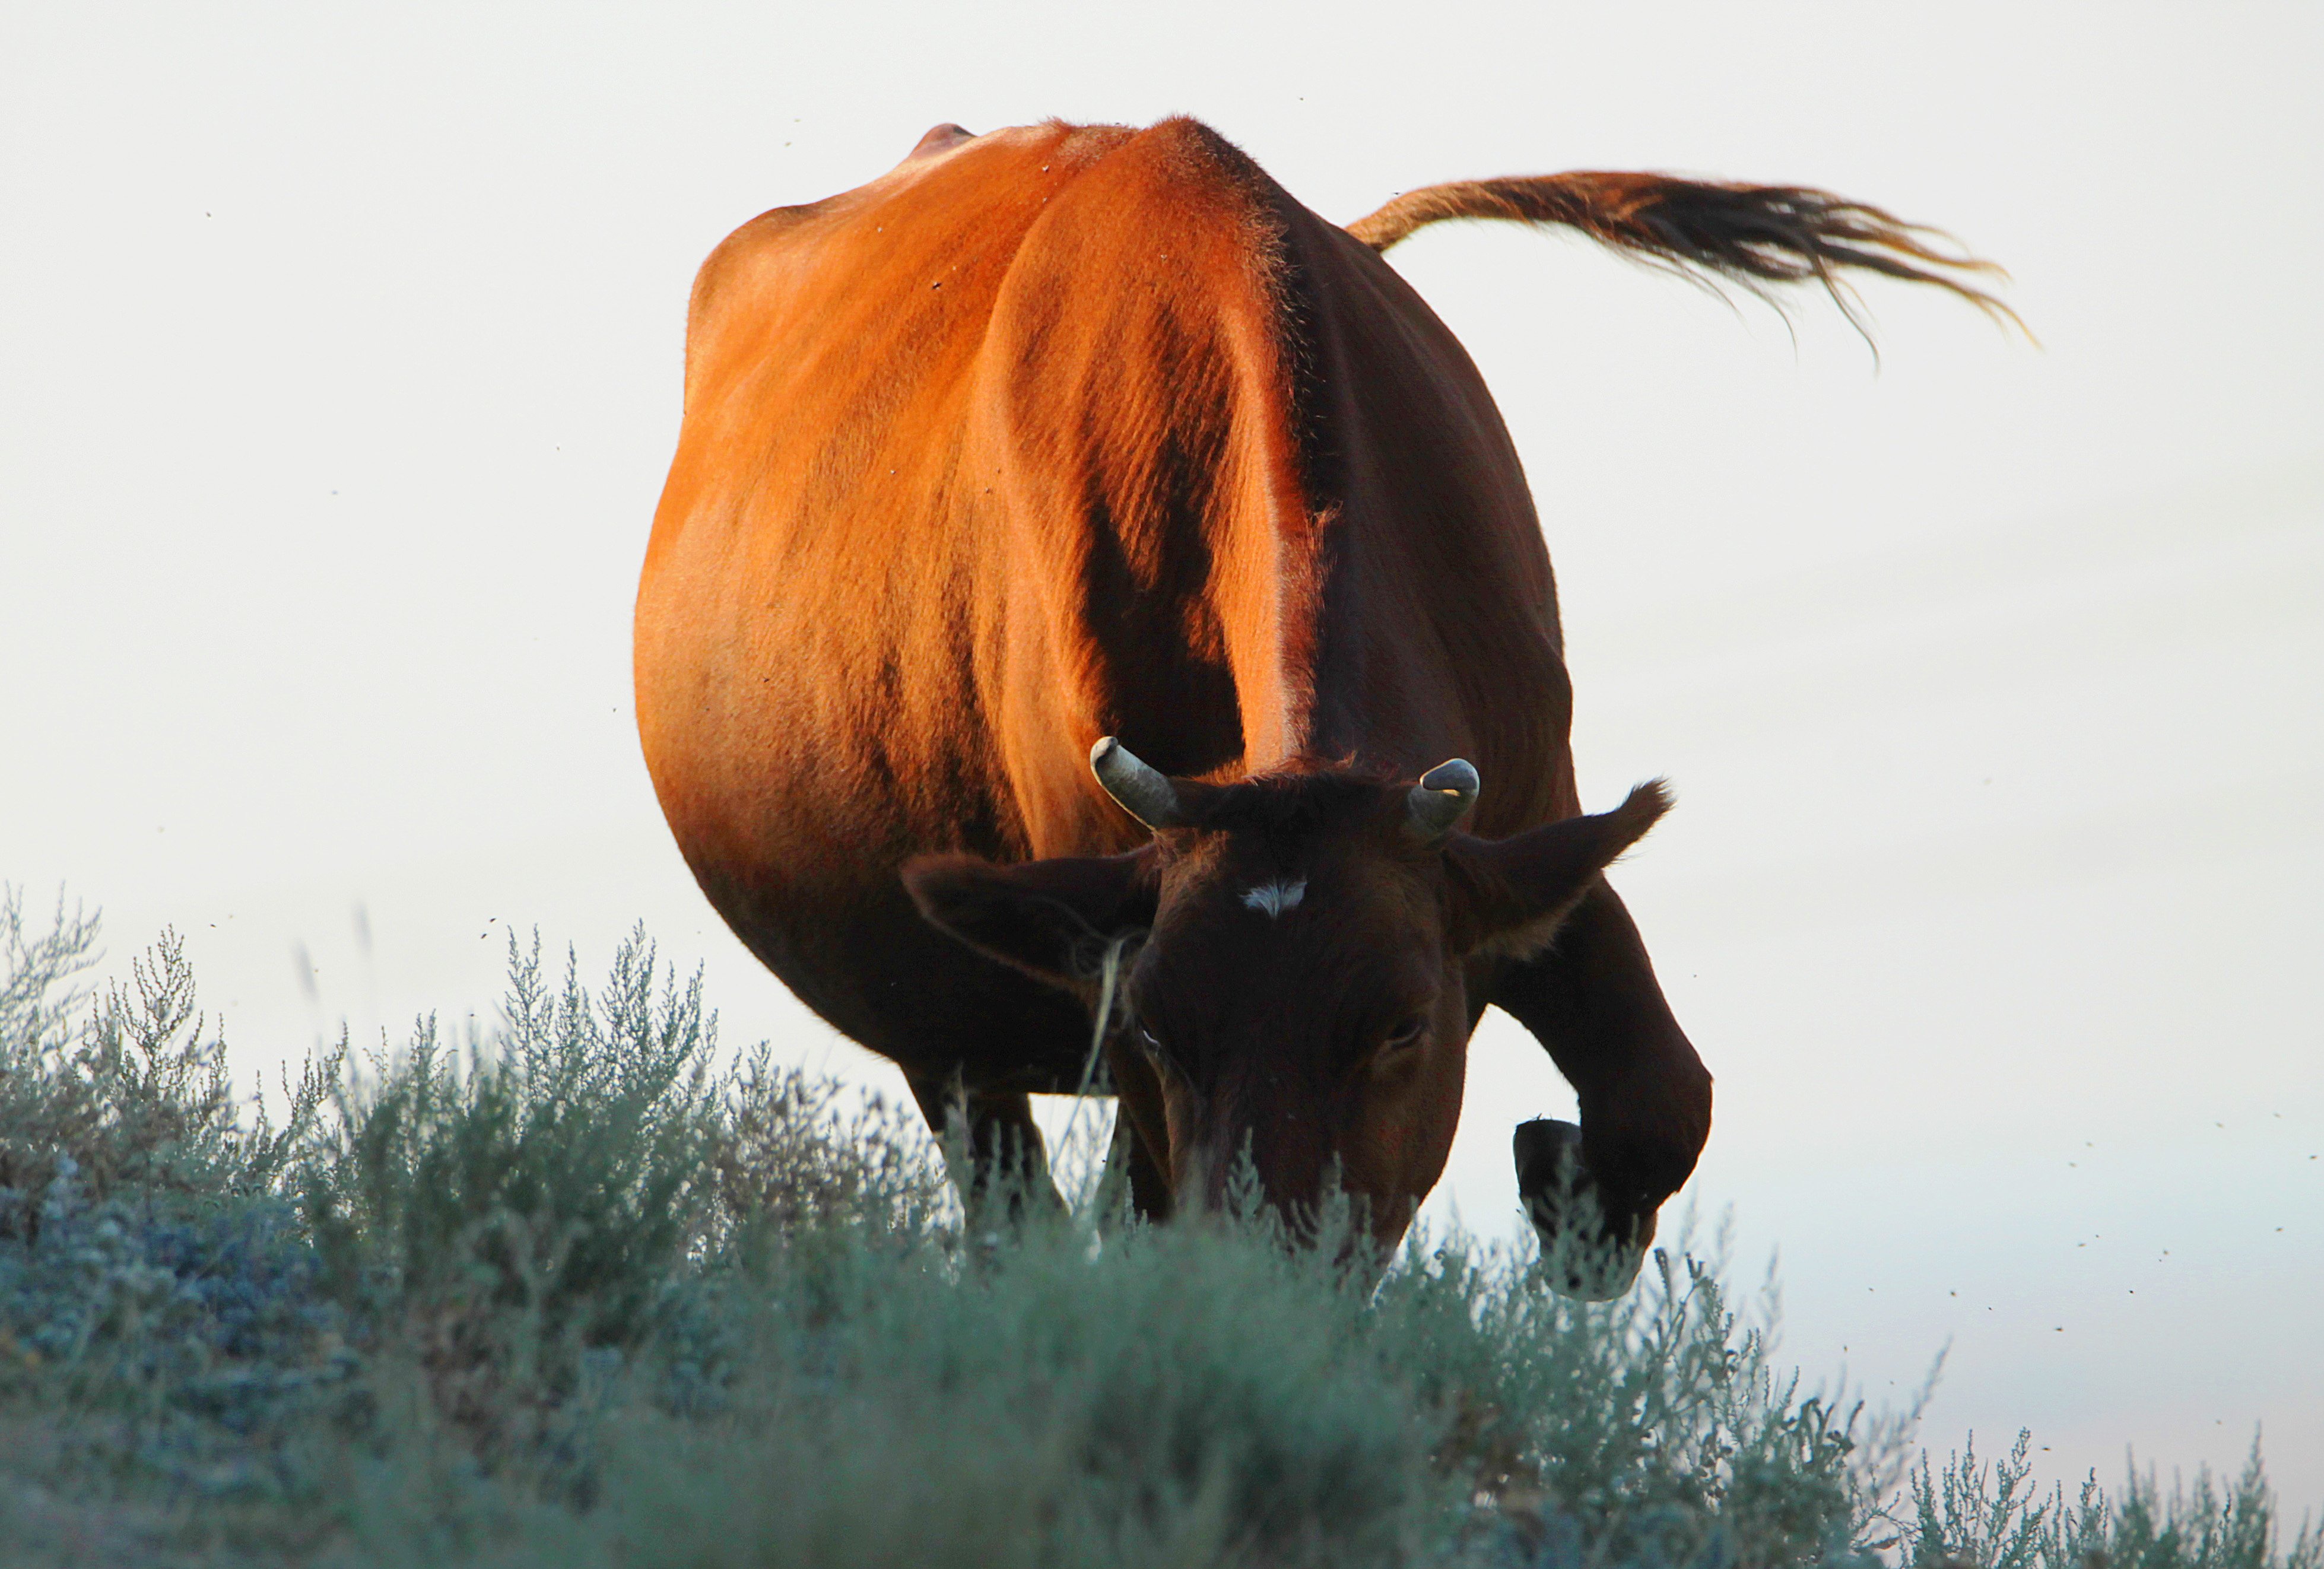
342,359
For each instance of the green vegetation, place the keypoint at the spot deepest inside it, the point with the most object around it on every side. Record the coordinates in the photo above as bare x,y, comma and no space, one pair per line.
568,1294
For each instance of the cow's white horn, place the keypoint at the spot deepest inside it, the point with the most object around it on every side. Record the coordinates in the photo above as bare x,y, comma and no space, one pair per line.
1142,791
1444,793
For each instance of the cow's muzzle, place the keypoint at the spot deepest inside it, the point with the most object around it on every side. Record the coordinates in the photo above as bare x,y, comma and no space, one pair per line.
1592,1242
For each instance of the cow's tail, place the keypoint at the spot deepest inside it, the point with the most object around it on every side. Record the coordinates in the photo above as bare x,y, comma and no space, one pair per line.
1758,236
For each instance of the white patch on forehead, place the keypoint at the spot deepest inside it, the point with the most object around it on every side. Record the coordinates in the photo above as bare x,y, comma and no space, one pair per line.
1272,899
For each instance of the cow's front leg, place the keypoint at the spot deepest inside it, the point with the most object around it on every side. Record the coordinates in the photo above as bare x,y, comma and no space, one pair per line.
1141,1138
1131,1165
997,1139
1591,1000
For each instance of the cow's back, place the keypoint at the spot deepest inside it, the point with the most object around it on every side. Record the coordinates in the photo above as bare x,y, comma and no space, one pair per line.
1064,432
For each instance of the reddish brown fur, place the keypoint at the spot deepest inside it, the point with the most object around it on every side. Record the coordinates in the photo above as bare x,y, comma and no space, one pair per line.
1064,432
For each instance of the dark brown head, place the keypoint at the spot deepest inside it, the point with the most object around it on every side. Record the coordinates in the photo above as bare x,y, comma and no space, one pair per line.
1301,990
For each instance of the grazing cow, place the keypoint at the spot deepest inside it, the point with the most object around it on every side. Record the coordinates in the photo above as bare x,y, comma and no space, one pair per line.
1072,538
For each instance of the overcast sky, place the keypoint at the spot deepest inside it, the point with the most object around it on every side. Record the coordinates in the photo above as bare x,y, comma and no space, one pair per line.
341,370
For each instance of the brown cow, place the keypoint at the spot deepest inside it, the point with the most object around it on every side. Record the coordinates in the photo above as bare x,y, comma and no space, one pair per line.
1068,433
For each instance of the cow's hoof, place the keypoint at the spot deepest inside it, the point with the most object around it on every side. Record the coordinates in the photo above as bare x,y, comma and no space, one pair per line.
1580,1255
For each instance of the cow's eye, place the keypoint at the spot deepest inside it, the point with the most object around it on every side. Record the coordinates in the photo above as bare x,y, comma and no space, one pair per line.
1150,1043
1407,1034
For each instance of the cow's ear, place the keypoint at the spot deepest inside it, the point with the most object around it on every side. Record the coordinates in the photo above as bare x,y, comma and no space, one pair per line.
1508,895
1049,918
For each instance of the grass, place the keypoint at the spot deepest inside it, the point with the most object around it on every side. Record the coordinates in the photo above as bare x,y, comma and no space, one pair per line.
567,1294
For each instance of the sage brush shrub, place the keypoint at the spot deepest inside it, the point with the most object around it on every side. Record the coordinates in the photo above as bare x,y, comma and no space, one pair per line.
1973,1516
566,1292
156,1301
793,1154
1652,1429
1186,1397
507,1209
130,1094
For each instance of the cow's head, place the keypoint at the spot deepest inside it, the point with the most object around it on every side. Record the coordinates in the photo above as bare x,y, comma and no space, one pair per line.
1300,992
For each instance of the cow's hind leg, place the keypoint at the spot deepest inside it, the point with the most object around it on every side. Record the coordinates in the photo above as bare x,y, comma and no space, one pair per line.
1591,1000
992,1146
